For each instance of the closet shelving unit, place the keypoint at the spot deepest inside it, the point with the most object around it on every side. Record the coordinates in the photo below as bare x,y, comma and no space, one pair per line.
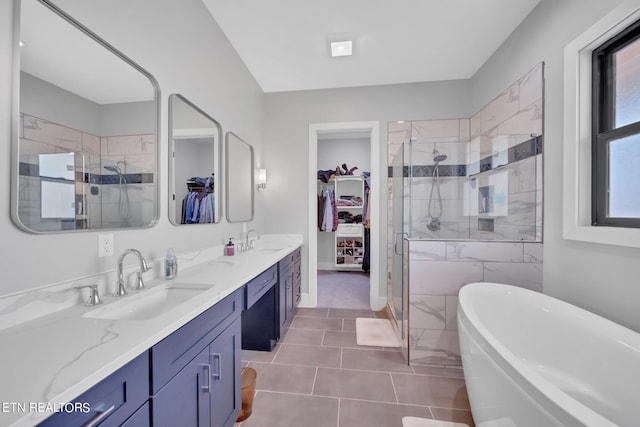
349,238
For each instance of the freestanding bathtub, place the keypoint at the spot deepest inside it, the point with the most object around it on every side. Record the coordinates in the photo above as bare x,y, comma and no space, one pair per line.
532,360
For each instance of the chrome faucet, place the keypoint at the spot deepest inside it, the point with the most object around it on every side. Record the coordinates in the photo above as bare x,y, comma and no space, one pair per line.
249,244
94,297
143,268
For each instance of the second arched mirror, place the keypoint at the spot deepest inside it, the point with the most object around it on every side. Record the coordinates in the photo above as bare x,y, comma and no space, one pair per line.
194,164
239,178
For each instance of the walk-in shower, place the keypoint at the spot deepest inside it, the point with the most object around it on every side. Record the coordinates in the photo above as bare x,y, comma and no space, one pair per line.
123,196
465,205
435,205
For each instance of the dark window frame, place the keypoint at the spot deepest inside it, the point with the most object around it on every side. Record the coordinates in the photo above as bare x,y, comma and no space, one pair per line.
603,125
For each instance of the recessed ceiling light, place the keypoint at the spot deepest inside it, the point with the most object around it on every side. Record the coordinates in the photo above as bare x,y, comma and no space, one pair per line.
342,48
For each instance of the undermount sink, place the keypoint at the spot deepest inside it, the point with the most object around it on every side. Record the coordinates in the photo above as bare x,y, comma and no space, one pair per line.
148,303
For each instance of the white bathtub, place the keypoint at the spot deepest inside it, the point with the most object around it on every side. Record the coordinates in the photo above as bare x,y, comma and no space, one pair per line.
533,360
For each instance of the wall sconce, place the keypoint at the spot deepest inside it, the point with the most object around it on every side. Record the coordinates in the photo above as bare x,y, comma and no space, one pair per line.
261,178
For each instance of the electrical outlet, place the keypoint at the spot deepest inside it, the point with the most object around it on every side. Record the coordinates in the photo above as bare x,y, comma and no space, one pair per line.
105,245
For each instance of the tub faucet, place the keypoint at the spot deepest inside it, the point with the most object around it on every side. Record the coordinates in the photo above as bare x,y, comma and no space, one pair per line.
143,268
248,244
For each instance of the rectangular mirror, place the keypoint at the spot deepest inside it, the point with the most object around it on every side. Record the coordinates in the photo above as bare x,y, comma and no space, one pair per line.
239,167
84,153
194,147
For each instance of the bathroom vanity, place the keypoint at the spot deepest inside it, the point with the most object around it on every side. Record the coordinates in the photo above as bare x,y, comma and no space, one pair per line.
179,366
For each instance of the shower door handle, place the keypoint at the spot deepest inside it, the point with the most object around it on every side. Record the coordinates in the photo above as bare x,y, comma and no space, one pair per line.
395,243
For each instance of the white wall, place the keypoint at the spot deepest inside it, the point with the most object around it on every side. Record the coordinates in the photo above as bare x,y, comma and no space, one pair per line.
183,47
601,278
287,119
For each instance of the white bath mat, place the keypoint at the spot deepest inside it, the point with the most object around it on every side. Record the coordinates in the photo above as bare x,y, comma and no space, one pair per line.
375,332
425,422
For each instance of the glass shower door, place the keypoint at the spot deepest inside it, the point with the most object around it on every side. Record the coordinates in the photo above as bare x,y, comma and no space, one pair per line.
397,292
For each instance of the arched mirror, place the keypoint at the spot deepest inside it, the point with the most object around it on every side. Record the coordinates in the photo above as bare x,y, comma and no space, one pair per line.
239,168
84,154
194,159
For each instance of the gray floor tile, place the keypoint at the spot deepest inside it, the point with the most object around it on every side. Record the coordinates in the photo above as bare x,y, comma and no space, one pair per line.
312,312
317,323
375,360
358,413
433,391
339,339
309,355
287,410
258,356
349,325
382,314
318,370
303,336
453,415
348,313
354,384
284,378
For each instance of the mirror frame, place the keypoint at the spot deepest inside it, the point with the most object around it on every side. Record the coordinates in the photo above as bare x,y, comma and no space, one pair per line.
15,117
228,181
218,209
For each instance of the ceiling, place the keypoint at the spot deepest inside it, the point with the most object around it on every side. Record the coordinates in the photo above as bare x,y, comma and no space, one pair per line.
285,44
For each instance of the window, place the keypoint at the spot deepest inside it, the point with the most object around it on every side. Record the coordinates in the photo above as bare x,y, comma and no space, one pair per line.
616,130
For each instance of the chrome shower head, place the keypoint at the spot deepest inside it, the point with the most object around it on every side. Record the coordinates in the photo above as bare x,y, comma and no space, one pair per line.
437,157
115,169
440,158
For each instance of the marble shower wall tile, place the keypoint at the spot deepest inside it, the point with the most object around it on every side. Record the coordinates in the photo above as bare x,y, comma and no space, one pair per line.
434,347
451,313
482,251
442,277
524,275
428,311
62,137
432,320
531,86
424,250
437,131
533,252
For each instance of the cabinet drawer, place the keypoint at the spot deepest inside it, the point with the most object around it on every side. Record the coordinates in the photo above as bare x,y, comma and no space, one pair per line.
260,285
289,260
173,353
112,400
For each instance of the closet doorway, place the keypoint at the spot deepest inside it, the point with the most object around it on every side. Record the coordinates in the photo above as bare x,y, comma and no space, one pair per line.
343,236
344,171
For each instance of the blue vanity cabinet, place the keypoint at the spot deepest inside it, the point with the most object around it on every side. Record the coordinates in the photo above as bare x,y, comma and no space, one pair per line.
260,318
195,371
185,400
114,401
226,364
289,289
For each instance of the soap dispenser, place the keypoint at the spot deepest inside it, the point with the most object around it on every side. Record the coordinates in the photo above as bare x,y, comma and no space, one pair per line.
230,249
171,264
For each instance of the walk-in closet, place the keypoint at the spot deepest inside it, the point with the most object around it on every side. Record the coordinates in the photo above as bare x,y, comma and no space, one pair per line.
344,184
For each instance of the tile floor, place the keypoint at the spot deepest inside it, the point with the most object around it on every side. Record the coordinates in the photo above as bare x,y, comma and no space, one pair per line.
317,376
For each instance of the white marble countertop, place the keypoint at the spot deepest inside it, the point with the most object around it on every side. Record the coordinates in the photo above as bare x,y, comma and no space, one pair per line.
53,359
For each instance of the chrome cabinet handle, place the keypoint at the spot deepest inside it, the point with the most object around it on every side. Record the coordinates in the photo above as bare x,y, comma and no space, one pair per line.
207,387
218,375
100,416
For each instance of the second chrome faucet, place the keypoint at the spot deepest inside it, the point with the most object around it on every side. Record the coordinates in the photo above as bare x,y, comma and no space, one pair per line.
121,289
